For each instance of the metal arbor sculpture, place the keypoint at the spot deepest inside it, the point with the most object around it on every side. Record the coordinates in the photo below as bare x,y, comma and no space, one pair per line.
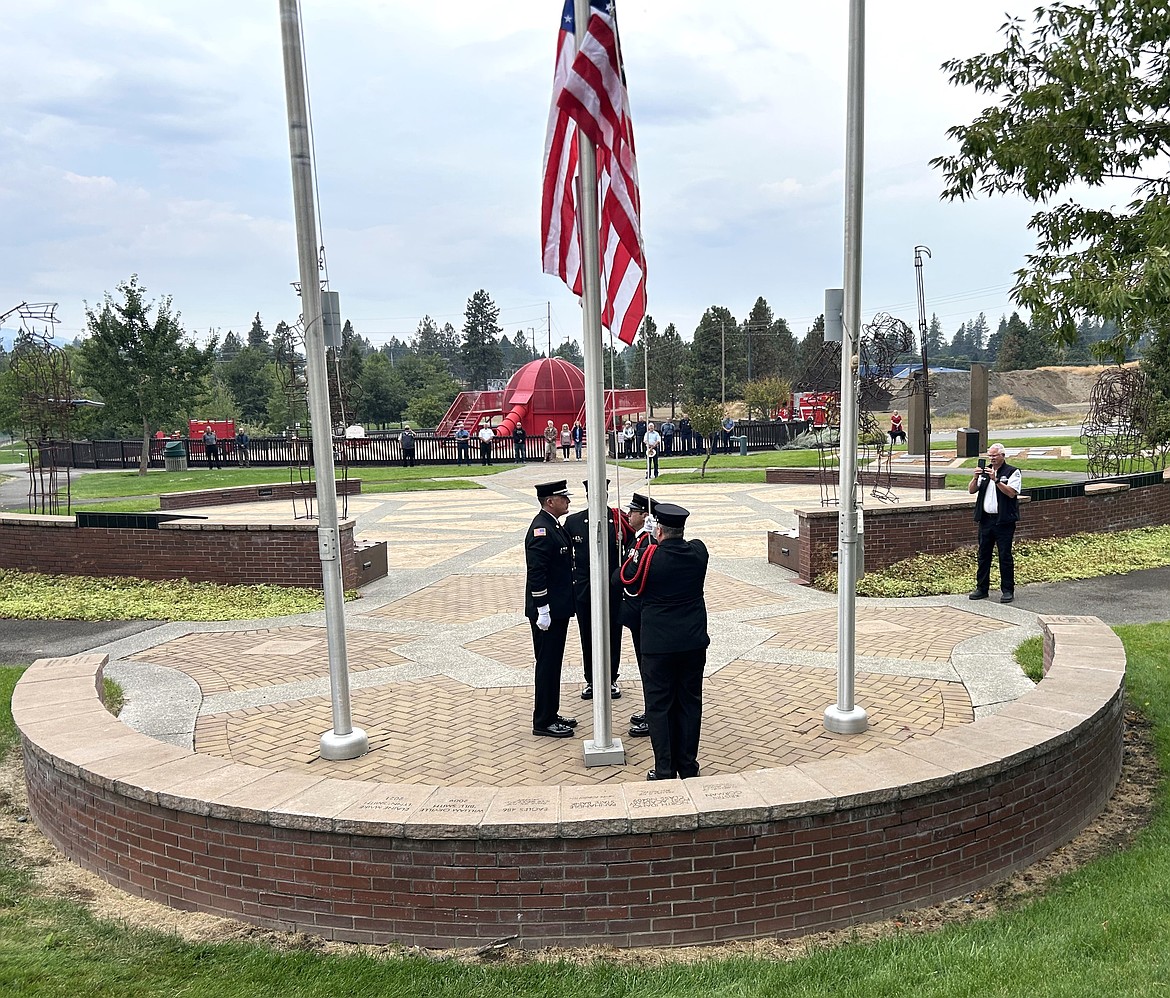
288,353
1115,429
43,380
882,341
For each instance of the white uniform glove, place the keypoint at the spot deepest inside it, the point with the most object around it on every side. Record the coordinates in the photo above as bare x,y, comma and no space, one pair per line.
651,523
544,619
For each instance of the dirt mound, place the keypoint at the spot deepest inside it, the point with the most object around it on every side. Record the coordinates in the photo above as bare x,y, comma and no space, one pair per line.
1044,390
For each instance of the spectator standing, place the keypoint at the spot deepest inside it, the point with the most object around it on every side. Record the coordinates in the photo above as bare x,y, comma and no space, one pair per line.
997,511
684,433
548,605
670,579
519,443
243,441
667,430
406,439
896,429
462,445
486,436
578,437
566,441
550,443
653,442
629,437
211,446
640,431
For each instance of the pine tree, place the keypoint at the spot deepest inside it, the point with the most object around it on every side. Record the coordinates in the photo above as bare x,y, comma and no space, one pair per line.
481,350
706,367
258,337
670,368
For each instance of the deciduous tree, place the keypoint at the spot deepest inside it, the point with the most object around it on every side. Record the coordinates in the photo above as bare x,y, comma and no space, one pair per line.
146,369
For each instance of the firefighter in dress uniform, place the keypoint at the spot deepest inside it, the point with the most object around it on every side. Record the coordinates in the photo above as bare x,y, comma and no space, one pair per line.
548,605
642,525
620,535
670,578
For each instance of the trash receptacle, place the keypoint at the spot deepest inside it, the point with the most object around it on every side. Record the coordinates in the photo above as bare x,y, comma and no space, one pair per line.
967,444
743,446
175,455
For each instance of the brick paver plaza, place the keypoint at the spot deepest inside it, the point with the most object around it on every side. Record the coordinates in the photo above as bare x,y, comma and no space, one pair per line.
441,658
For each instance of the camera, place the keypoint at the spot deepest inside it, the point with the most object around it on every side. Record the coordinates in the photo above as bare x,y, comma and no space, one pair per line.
982,463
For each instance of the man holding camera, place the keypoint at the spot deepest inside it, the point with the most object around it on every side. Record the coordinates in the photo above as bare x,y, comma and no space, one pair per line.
997,511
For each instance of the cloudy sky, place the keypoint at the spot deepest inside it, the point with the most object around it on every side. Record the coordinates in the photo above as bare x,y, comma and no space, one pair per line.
150,137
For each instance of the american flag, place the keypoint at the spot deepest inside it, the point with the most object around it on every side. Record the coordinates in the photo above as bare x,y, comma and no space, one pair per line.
589,91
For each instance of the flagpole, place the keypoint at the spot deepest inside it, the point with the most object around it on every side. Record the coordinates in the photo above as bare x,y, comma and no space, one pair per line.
344,741
603,749
845,717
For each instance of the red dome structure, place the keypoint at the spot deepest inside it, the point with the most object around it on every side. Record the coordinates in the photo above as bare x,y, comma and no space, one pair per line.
544,389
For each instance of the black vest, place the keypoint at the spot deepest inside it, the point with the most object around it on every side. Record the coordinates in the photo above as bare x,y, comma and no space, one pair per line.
1009,508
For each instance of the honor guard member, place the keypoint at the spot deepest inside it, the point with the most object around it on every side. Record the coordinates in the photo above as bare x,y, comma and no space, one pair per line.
620,535
670,581
642,525
548,605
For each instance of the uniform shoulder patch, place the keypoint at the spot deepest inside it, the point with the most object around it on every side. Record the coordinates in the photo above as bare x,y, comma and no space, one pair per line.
539,531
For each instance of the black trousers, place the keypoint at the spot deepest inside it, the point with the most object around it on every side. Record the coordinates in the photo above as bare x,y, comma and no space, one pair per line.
213,460
462,452
549,649
408,459
996,536
485,453
585,626
674,710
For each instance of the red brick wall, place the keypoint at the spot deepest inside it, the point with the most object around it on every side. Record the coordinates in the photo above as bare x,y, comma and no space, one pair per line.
251,493
898,531
652,889
230,554
832,866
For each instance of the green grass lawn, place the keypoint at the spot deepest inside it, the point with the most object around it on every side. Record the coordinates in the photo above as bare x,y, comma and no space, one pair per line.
1101,930
122,484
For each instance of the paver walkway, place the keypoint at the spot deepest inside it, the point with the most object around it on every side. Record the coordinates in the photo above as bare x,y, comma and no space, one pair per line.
441,659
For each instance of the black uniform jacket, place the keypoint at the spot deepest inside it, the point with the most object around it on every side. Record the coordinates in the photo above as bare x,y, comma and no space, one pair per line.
631,601
674,614
550,574
577,527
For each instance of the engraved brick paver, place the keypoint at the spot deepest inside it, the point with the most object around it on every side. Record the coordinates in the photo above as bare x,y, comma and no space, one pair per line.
928,634
245,660
438,730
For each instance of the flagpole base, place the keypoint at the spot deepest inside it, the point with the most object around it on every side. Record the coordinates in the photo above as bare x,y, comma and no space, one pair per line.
846,722
335,747
612,755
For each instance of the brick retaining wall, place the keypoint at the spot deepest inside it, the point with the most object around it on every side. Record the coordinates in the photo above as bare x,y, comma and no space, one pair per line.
252,493
900,530
769,852
227,553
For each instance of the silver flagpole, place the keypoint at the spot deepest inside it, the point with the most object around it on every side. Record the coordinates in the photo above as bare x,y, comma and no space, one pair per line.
845,717
344,741
603,749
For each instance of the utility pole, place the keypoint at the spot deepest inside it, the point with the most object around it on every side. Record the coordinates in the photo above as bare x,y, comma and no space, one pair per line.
344,741
723,361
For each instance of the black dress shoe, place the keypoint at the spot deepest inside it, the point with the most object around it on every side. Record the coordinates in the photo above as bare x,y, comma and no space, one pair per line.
639,730
1007,597
637,719
587,693
568,722
654,776
554,730
615,691
978,595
